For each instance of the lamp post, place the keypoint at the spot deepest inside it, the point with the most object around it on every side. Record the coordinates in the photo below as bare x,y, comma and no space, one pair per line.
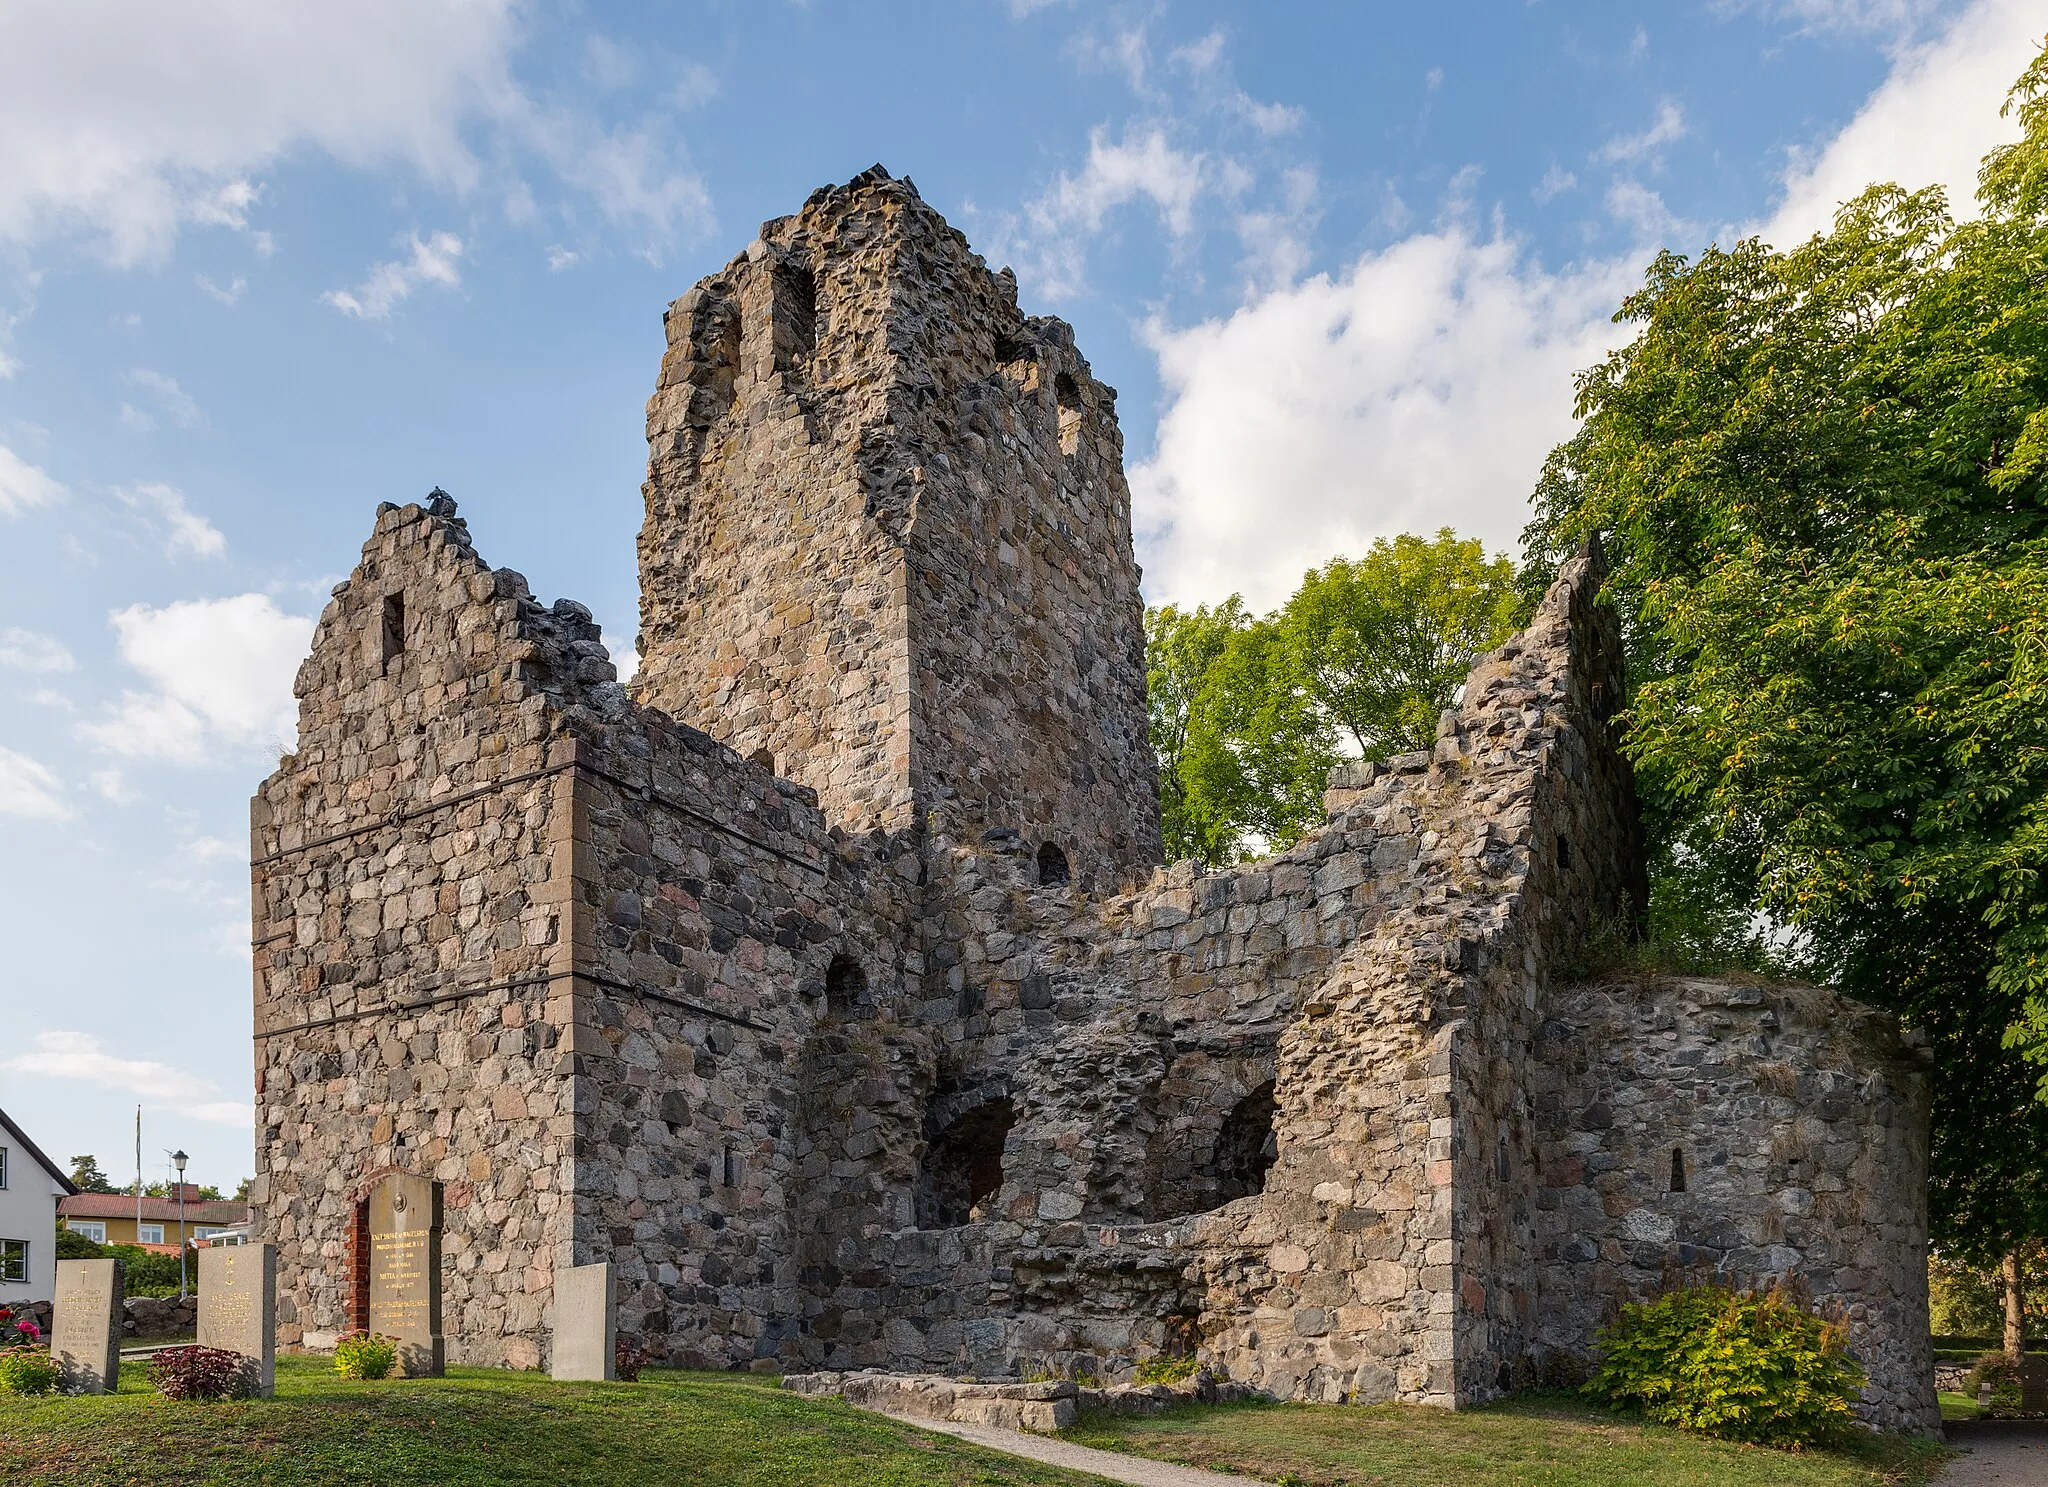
178,1160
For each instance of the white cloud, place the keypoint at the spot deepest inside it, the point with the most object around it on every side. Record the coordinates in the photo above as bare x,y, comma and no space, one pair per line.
1421,388
226,296
1668,126
33,652
1890,18
560,258
62,1054
128,120
391,284
1143,165
175,403
222,674
1928,123
1556,181
23,486
8,366
113,786
1642,209
186,531
30,789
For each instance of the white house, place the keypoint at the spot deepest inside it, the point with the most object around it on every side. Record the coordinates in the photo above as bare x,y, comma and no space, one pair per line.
31,1186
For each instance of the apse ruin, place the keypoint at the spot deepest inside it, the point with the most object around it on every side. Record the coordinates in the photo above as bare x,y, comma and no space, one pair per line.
826,981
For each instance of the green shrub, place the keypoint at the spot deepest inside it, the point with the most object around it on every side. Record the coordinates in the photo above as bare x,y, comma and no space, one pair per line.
2002,1374
71,1246
1165,1370
365,1355
1757,1366
27,1370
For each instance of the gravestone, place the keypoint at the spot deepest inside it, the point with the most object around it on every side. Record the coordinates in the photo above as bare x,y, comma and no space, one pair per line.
238,1308
85,1325
586,1324
405,1271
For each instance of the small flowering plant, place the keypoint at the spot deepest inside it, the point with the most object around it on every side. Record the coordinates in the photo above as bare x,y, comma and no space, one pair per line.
365,1355
628,1358
191,1373
17,1328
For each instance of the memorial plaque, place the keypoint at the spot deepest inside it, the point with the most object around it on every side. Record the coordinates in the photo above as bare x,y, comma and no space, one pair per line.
238,1308
586,1324
405,1271
85,1325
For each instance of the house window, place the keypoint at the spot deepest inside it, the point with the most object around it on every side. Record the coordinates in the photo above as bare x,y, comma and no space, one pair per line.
203,1232
93,1229
149,1233
3,1166
13,1259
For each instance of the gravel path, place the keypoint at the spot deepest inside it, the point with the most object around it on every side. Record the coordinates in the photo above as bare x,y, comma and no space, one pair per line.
1136,1470
2002,1453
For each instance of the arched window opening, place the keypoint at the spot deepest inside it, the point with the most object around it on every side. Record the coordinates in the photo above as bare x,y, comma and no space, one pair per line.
1052,866
1068,393
1677,1169
963,1166
846,986
1245,1146
795,315
391,640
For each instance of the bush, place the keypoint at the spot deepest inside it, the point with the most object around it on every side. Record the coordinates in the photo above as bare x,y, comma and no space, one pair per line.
72,1246
27,1370
1164,1370
2003,1375
1758,1366
365,1355
628,1358
200,1373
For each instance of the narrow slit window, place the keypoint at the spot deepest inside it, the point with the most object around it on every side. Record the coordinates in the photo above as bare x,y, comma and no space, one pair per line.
735,1168
1067,392
392,636
1677,1169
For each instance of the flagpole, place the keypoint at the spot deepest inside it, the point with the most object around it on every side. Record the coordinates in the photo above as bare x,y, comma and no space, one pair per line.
138,1174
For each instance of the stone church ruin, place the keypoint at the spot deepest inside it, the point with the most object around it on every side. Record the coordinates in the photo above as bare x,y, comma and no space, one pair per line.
827,984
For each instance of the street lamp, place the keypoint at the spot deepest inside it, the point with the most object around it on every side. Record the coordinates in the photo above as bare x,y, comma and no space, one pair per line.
178,1160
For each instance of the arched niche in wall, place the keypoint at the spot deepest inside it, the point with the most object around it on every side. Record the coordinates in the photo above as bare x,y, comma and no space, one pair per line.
846,987
1053,868
963,1165
1245,1146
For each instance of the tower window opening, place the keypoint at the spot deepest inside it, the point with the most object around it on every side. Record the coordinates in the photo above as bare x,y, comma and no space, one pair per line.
1068,393
735,1172
963,1166
391,638
1245,1146
1053,869
1677,1169
1564,852
846,986
795,315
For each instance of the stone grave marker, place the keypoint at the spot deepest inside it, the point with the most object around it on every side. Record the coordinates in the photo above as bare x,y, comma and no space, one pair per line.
85,1325
405,1271
238,1307
586,1324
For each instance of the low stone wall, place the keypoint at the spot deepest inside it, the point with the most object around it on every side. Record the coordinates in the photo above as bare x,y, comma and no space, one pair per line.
1051,1404
145,1316
1042,1406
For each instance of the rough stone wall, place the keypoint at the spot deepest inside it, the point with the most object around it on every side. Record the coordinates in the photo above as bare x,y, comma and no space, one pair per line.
809,1046
1695,1128
408,862
888,537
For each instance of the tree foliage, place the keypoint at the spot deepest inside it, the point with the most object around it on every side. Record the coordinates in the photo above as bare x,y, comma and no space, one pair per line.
87,1177
1824,478
1248,714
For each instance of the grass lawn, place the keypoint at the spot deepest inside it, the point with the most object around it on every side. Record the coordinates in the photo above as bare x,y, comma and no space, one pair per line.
1533,1441
482,1426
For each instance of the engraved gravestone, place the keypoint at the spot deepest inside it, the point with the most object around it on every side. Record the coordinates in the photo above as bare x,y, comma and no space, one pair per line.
238,1308
586,1324
405,1271
85,1327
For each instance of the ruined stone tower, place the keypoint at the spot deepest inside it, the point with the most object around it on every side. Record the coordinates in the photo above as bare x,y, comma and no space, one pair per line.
634,977
888,538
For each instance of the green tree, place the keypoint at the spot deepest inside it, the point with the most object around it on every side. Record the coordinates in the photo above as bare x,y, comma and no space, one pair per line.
1381,645
1248,715
1821,473
87,1177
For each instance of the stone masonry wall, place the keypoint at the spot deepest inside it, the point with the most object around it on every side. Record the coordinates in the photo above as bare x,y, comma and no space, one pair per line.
1702,1128
888,537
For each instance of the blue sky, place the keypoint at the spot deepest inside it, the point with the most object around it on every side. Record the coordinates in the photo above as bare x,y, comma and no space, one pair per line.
262,267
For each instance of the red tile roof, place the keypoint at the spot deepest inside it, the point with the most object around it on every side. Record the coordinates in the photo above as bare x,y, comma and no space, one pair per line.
154,1210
